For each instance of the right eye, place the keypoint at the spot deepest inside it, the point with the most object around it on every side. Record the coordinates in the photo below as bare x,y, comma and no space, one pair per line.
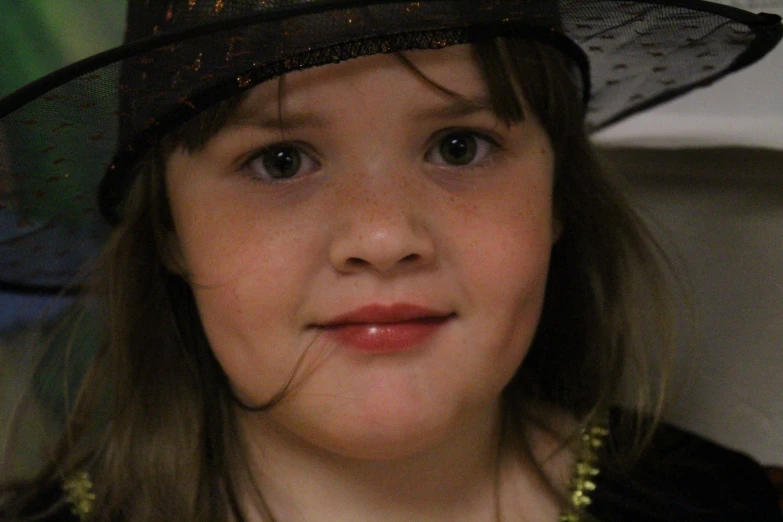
280,162
462,148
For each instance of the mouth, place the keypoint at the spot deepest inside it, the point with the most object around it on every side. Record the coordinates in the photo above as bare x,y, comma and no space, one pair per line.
386,329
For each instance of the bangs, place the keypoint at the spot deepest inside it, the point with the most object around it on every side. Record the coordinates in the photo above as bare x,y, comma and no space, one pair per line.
514,70
517,69
194,134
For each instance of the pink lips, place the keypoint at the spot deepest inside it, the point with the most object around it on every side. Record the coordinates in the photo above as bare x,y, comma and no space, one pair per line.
386,329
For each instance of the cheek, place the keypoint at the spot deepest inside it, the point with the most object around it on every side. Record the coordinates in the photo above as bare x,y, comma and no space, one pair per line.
501,244
227,232
250,337
247,281
253,251
507,240
223,247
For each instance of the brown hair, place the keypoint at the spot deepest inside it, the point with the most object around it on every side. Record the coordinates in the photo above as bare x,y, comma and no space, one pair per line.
155,421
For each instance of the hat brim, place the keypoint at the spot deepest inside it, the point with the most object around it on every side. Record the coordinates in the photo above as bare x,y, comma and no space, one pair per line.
60,135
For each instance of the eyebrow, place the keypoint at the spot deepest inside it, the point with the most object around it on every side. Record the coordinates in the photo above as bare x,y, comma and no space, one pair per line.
286,122
456,108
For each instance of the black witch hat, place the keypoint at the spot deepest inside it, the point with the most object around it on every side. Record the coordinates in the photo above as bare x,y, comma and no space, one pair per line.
69,140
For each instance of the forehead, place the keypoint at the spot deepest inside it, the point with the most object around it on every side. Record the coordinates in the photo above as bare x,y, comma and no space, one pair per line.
452,72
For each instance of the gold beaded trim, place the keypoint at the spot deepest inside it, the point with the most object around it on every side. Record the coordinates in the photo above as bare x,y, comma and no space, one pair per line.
78,488
582,482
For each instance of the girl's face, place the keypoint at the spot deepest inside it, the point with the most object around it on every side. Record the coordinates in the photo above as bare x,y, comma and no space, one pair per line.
390,238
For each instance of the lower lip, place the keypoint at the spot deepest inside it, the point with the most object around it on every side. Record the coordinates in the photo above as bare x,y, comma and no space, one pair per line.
386,337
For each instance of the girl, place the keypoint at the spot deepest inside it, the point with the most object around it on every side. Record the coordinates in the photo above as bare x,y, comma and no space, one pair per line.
364,264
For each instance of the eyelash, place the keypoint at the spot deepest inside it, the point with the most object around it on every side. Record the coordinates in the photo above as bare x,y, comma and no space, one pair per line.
302,149
491,143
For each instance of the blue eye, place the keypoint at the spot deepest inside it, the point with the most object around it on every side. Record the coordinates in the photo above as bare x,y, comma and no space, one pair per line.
461,148
280,162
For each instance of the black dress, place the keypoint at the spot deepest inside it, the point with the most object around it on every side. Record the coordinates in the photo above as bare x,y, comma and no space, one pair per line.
686,478
681,477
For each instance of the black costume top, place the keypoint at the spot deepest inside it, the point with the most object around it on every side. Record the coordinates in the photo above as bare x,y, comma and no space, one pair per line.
686,478
681,477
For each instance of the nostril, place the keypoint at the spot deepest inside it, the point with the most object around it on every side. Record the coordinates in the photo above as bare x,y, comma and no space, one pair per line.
356,262
361,263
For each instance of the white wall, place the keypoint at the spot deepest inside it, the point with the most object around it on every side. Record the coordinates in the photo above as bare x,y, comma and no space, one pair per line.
719,213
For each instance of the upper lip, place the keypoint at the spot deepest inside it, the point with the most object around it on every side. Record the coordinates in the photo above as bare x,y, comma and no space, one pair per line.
382,314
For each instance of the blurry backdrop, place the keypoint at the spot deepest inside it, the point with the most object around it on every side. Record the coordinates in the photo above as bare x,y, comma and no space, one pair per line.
36,38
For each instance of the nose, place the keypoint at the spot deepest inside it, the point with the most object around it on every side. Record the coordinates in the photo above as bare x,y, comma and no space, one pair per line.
382,230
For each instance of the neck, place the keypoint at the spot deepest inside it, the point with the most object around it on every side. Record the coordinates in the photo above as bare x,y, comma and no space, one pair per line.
465,478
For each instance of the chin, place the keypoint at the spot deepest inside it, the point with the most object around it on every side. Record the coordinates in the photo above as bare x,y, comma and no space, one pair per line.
383,434
392,443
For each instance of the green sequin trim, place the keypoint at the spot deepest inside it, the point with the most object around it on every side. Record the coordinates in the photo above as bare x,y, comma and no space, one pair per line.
582,482
78,489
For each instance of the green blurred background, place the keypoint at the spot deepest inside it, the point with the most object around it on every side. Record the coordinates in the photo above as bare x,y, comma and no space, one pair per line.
36,38
40,36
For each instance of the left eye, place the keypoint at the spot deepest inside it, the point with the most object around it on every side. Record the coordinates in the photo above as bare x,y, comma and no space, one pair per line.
461,148
280,162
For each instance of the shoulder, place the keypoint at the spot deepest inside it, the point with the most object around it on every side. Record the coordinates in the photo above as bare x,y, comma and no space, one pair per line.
682,476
